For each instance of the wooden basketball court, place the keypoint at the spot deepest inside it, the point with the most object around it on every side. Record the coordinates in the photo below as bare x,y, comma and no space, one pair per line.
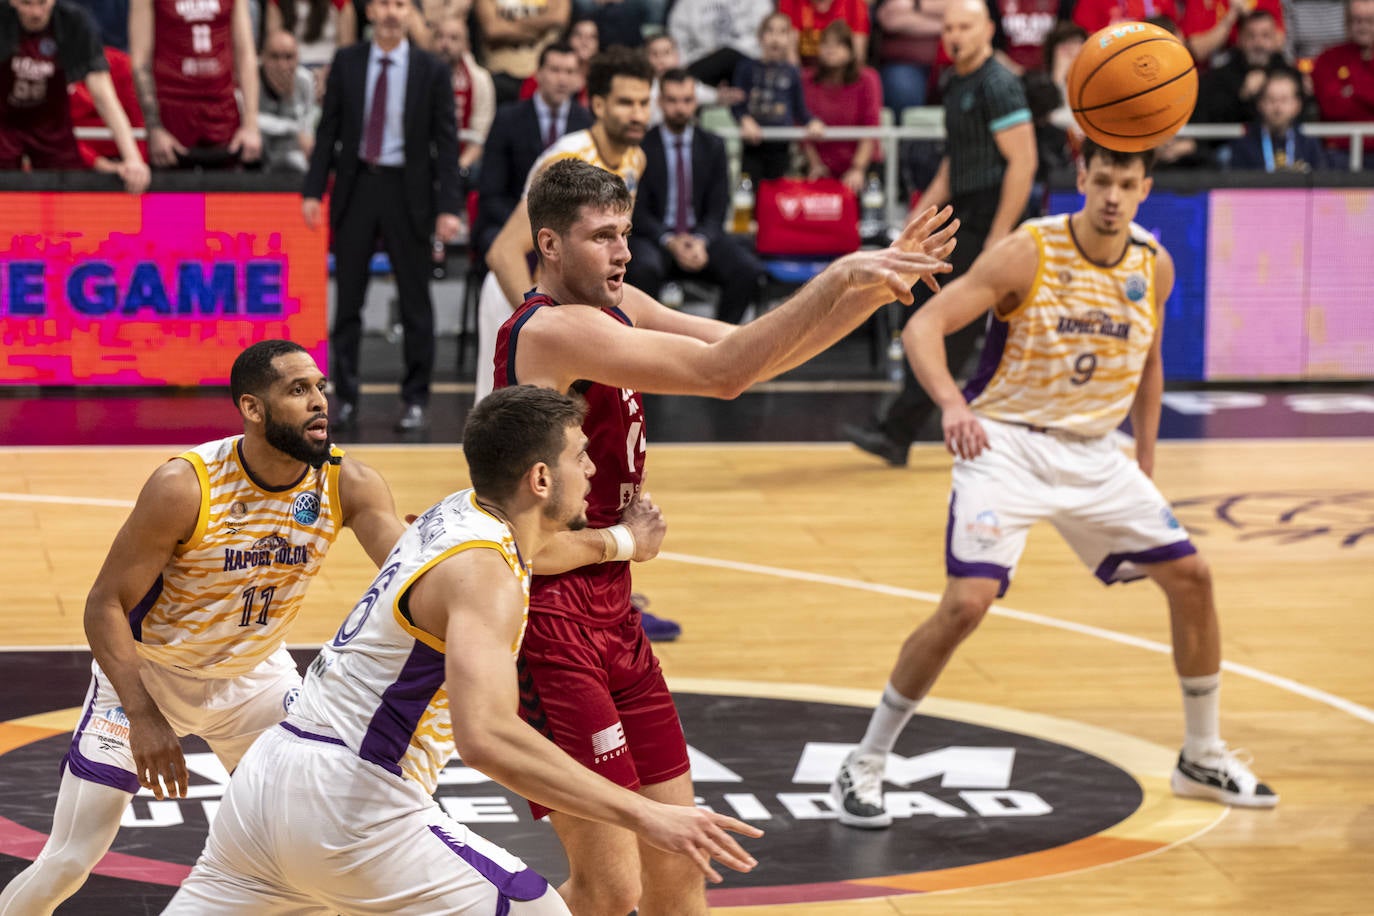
808,565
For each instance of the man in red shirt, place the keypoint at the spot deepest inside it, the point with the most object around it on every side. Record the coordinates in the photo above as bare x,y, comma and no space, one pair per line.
45,47
1210,26
187,57
103,155
1098,14
1343,76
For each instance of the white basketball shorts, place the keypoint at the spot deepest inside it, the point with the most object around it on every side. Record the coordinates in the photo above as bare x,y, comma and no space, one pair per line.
1108,511
309,827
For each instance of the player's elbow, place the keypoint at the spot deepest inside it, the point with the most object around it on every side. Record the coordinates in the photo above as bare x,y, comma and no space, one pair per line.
477,744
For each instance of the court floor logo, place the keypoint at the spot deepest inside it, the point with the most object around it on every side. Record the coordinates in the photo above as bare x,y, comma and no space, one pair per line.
1343,517
979,795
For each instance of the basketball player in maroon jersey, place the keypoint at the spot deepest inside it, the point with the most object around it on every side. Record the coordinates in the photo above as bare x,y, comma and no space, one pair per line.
44,48
589,677
187,57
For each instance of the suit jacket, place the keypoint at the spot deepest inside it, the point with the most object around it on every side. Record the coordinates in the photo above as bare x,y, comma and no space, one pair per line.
1247,152
512,147
431,137
710,196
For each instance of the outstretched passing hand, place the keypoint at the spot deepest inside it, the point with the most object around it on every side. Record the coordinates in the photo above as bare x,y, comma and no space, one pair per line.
701,836
930,231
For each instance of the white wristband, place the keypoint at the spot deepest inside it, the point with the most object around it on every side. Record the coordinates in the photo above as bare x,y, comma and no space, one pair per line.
624,543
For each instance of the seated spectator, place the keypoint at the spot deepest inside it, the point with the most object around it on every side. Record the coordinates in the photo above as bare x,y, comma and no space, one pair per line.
1022,27
663,56
103,155
908,47
584,38
772,89
474,95
841,92
1343,76
713,35
1276,143
1312,27
521,132
45,48
313,23
679,214
286,111
513,33
1227,93
1211,26
810,17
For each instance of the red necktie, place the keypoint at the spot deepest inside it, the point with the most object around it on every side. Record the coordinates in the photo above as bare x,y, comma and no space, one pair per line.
552,137
376,118
684,190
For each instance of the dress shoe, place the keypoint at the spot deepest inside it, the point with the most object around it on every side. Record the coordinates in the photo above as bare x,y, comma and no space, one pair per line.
875,443
413,419
344,419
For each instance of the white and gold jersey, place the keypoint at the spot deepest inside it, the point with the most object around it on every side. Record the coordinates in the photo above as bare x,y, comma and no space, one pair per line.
378,685
580,145
227,598
1070,356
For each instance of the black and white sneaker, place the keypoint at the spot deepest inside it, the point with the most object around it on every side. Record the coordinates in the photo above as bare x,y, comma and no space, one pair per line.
1221,775
858,791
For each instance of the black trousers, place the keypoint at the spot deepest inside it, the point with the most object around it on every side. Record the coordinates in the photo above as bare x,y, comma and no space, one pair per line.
730,265
901,420
378,206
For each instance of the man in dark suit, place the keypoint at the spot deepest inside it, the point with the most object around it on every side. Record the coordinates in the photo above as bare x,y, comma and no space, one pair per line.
388,133
523,130
679,213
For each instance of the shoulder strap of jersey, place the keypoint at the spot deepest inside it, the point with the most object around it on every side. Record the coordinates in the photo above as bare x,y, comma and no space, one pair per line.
193,458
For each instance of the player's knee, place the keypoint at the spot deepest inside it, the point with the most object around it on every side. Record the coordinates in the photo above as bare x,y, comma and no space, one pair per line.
608,895
965,611
1190,575
64,870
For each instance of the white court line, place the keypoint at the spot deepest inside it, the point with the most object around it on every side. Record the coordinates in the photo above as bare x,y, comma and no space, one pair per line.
1349,707
1274,680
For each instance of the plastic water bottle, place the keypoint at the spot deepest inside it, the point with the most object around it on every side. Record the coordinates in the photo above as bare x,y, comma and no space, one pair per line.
743,201
872,204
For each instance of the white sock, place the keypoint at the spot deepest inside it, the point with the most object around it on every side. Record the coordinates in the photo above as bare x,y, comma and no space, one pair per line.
1201,713
889,718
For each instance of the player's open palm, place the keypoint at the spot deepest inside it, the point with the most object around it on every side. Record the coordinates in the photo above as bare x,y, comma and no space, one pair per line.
964,435
646,522
701,836
884,274
158,761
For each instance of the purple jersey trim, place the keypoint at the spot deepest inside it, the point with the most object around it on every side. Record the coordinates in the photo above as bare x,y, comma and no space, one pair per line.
302,733
993,346
85,768
404,702
140,610
956,568
1108,568
526,884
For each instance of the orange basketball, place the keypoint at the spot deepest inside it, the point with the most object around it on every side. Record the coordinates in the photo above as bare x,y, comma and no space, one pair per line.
1132,86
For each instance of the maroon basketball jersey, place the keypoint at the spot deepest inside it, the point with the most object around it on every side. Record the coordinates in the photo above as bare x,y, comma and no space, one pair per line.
34,116
193,49
599,594
1026,24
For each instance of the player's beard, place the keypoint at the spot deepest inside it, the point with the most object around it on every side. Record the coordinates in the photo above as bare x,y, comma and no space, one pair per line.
554,509
292,441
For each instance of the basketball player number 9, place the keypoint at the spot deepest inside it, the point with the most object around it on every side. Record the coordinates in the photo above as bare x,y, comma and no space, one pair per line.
1083,368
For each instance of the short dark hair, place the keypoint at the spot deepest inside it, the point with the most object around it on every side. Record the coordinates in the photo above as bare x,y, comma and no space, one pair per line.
1064,30
1284,73
1258,15
252,372
560,191
558,47
1093,151
675,75
511,430
612,62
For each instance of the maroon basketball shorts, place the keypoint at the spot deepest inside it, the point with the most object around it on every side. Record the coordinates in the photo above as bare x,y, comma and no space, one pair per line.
200,122
599,694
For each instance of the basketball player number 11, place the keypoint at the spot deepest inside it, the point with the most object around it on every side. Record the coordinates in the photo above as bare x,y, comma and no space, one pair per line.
248,595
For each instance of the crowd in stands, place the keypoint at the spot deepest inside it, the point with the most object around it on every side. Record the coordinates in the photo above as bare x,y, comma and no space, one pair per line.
237,83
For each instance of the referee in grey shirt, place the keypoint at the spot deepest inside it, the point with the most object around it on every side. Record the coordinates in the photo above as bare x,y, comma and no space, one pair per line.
986,174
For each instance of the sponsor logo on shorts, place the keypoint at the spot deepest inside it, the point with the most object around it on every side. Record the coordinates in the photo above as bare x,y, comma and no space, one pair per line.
306,509
985,529
290,699
110,728
1167,516
608,743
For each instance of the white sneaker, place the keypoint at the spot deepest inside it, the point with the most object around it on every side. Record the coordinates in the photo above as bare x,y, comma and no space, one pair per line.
858,791
1221,775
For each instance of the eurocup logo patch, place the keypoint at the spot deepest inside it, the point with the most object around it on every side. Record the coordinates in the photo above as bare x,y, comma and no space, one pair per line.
306,509
1136,287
